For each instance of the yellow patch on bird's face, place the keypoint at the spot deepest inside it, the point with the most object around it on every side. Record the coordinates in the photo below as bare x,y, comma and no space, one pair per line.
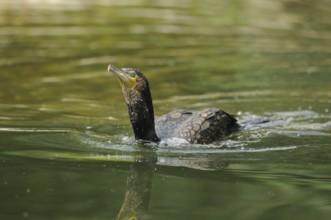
129,82
128,215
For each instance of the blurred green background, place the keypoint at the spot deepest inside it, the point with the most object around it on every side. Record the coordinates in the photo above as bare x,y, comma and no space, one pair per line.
66,144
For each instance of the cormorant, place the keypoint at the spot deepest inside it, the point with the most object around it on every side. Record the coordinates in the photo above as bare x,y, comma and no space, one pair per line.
198,127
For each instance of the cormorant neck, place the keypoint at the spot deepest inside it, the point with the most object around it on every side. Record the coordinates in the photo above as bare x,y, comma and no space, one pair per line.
141,112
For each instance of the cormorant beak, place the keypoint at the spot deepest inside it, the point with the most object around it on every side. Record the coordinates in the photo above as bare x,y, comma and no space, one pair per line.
123,76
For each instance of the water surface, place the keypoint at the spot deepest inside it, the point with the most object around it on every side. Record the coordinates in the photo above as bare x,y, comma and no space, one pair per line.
66,146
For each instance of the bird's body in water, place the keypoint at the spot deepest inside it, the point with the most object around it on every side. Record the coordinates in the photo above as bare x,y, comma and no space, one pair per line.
201,127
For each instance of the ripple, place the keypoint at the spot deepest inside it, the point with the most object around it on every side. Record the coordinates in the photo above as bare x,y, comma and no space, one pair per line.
261,135
36,130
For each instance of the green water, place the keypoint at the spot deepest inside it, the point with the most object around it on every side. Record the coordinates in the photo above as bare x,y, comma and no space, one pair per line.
66,147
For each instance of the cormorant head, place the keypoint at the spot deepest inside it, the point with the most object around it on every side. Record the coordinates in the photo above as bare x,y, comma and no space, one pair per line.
134,84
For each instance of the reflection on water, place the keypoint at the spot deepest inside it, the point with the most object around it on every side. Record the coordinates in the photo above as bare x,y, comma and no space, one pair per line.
138,192
65,137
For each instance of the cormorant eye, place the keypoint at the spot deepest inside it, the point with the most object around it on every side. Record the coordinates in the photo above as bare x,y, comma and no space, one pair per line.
133,74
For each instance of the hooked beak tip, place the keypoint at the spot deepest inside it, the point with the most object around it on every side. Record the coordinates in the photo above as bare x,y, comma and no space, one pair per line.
110,67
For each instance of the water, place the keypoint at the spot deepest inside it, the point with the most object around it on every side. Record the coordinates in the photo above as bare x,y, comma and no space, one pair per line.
66,147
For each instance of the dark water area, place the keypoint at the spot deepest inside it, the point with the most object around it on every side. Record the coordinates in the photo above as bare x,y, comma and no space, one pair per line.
66,144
